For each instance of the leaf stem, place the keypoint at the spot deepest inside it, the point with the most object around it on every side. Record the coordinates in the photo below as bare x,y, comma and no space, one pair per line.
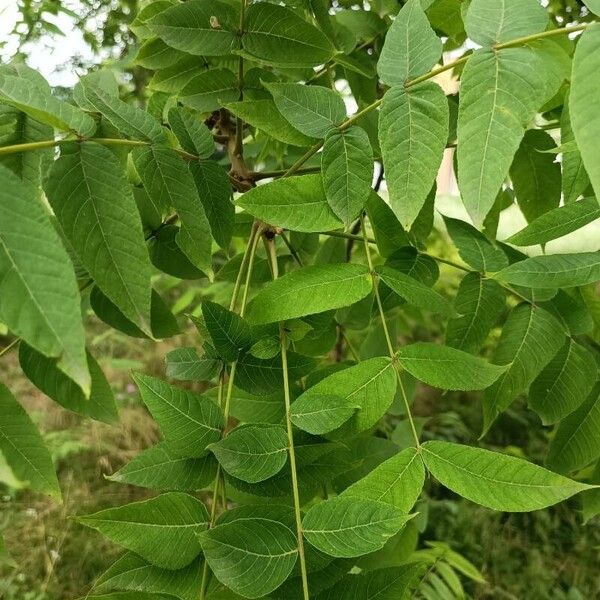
248,260
270,243
386,332
10,346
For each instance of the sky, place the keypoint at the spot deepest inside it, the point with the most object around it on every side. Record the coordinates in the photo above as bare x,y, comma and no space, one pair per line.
46,54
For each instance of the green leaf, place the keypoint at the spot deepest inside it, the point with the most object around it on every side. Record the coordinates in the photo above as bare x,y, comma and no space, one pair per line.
262,377
411,46
309,290
193,135
39,299
347,527
389,234
229,332
584,86
447,368
564,383
209,89
575,179
126,118
495,480
45,375
18,128
489,22
130,572
398,481
23,448
38,102
239,549
128,596
413,130
530,338
252,453
162,530
160,468
553,271
277,35
479,303
296,203
414,292
321,414
347,169
167,179
557,222
576,442
174,78
155,54
259,409
312,110
500,94
188,421
162,321
391,583
89,194
168,257
198,27
185,364
214,189
370,385
474,248
535,175
593,5
264,116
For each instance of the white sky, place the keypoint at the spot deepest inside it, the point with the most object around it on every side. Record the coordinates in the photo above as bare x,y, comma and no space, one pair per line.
49,53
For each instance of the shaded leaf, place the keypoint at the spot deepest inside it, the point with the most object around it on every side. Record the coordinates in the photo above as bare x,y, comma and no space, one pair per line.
185,364
564,383
23,448
479,303
576,442
531,337
44,374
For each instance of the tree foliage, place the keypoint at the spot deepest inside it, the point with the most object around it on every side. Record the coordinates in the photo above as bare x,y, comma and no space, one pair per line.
245,166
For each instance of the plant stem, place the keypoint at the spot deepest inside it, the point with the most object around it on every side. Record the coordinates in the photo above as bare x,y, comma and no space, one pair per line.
386,332
290,432
10,346
239,123
248,260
